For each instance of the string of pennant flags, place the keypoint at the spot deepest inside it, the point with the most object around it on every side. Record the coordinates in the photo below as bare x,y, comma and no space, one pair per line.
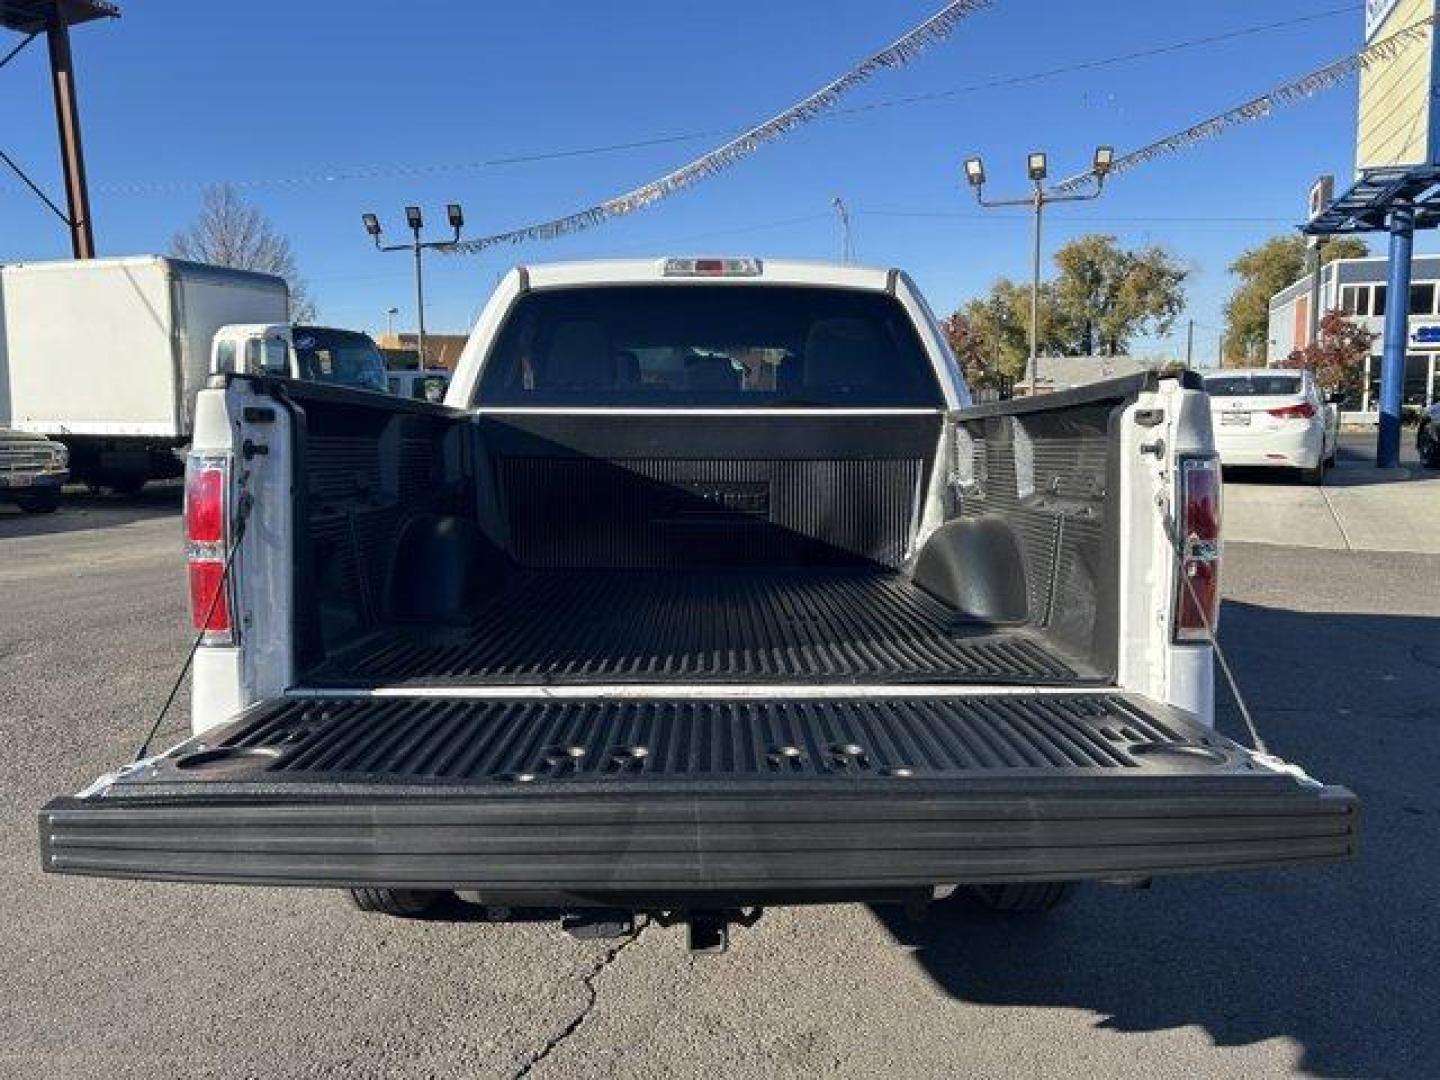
1260,108
900,53
408,168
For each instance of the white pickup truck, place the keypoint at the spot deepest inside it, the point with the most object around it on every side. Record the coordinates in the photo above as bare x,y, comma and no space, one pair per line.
706,589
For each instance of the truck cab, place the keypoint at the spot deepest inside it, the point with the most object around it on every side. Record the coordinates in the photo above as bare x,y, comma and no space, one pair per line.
33,470
314,353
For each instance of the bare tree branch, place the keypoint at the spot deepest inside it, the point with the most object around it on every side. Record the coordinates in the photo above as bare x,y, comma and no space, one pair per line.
227,232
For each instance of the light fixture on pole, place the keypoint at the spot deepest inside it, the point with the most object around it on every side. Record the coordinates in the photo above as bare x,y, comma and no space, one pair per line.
1037,167
415,220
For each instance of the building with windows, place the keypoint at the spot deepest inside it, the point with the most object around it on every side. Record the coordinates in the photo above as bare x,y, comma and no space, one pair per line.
402,351
1357,287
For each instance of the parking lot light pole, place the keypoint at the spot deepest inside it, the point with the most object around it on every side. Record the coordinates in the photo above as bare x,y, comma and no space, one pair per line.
416,221
1037,166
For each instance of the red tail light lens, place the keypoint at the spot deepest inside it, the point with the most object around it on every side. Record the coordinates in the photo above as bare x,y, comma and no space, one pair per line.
207,545
1197,592
1303,411
205,505
209,606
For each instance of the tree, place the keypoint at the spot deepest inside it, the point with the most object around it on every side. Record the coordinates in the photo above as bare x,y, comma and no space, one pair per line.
990,335
227,232
1102,298
1337,355
974,342
1107,295
1264,271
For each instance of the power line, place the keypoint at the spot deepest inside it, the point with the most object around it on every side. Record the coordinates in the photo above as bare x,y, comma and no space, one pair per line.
900,52
393,170
1103,62
1259,108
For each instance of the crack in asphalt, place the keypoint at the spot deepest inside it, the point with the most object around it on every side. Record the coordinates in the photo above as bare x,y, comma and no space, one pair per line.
592,999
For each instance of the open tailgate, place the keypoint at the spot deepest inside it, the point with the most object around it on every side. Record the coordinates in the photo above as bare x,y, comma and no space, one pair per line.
843,795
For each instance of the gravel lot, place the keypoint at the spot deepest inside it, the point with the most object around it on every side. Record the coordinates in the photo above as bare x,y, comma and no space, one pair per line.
1330,971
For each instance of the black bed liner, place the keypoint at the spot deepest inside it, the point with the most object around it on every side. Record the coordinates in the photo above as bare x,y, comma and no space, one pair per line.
594,798
729,626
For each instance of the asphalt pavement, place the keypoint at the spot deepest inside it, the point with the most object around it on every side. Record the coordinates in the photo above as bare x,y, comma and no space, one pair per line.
1330,971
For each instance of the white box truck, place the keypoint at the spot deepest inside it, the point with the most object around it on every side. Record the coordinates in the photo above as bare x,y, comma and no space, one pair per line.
107,355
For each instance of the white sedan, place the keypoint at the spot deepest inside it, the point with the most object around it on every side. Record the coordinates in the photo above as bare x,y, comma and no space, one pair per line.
1273,417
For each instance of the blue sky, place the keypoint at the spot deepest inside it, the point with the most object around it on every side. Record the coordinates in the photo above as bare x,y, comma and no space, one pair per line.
275,96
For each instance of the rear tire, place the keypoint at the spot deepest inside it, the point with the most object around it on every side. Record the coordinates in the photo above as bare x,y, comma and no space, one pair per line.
1022,897
402,903
39,502
1314,477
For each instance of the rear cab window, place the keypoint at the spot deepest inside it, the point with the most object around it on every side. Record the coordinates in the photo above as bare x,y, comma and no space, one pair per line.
718,346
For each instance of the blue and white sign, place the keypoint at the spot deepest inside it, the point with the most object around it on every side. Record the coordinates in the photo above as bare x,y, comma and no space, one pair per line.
1376,12
1426,337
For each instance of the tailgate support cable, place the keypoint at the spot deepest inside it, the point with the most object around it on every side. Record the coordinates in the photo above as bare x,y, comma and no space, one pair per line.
237,532
1172,533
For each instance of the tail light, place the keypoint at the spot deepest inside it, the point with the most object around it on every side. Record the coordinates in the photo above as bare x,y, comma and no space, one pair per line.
207,540
1303,411
1197,593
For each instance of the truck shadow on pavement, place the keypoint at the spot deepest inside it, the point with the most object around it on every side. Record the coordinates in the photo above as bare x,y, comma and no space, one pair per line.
1342,960
80,510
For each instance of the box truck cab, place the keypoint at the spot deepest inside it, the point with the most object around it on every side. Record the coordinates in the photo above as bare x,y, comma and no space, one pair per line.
313,353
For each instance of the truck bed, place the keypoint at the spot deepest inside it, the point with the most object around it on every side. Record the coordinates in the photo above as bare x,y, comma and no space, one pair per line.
716,626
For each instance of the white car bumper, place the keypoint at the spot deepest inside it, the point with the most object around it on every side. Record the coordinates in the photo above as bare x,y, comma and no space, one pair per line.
1290,447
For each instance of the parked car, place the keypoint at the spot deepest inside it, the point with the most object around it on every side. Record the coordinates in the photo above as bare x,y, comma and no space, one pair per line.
1274,418
419,385
33,469
1427,437
708,589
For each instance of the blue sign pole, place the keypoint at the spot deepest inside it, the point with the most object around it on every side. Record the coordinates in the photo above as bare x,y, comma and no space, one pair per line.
1397,336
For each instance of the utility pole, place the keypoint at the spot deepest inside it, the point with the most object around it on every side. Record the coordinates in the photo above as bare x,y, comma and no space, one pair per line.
53,19
67,122
847,250
1038,168
416,222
